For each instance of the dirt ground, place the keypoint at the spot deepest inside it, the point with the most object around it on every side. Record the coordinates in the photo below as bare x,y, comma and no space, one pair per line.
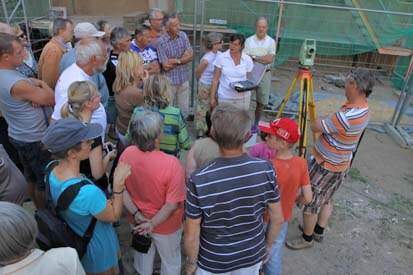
370,231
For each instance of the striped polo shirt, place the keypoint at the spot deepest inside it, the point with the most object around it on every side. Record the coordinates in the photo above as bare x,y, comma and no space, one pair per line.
341,133
230,195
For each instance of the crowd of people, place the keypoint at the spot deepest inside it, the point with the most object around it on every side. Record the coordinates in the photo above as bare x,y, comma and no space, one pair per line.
230,205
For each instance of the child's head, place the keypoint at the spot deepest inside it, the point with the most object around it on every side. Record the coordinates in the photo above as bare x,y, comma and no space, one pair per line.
282,133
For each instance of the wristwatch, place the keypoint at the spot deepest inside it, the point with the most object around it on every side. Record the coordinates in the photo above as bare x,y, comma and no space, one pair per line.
179,62
253,57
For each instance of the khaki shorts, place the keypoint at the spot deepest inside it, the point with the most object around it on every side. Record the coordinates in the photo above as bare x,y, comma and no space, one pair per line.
324,184
262,94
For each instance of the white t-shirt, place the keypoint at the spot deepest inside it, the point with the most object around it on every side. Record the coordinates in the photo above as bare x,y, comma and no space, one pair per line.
71,74
259,47
232,73
62,261
208,73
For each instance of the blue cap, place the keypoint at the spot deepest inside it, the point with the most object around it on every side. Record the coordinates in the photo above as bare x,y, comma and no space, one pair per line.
67,132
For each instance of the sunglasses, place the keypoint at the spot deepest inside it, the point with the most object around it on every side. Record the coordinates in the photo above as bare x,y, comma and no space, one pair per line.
23,35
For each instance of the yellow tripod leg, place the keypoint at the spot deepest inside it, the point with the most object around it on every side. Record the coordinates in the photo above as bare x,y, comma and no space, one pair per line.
312,107
301,122
306,97
287,96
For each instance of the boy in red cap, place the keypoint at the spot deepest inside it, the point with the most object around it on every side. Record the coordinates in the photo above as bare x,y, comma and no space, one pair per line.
292,176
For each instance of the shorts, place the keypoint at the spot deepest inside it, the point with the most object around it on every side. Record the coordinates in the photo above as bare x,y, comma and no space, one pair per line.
324,184
262,94
34,159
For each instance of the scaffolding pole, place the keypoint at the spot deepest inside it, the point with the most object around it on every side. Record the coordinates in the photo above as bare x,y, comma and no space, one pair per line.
26,23
201,34
277,35
193,59
6,13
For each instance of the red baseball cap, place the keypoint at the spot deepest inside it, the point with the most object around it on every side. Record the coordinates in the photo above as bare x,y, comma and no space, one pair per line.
284,128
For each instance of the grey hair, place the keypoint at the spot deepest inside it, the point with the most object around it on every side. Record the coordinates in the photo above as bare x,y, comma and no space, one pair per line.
59,24
18,231
212,38
153,12
230,125
85,49
145,129
169,17
117,35
261,18
363,78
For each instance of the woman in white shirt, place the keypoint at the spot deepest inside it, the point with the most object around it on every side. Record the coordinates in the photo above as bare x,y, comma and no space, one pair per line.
204,74
231,66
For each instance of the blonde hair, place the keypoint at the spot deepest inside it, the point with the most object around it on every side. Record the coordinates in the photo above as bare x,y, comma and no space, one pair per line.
156,91
15,29
128,62
78,94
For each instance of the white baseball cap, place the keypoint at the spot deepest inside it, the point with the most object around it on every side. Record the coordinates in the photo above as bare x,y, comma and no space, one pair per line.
86,29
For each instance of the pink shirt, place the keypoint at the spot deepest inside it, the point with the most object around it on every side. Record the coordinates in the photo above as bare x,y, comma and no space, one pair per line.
156,178
261,150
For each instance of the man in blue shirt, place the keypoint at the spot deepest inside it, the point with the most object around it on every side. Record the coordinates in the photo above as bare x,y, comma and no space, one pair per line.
142,45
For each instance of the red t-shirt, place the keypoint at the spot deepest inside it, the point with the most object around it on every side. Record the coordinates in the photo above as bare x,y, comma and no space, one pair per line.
292,174
156,178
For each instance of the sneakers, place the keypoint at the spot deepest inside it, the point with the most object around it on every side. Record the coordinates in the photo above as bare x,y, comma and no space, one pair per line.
317,237
299,243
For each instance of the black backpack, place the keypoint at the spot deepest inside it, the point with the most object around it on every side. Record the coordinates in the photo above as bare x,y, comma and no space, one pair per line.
53,230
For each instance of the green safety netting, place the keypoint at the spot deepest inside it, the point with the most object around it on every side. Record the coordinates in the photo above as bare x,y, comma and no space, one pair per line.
339,32
34,9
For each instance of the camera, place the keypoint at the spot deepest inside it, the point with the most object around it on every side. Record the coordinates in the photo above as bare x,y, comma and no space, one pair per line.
307,53
109,148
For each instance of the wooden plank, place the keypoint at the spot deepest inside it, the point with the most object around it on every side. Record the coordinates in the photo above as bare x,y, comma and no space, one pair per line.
208,28
398,51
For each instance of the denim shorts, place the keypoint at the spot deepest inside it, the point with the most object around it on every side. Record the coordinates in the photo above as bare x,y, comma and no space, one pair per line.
34,158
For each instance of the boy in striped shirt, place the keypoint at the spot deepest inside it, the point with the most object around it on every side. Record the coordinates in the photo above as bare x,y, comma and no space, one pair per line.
332,154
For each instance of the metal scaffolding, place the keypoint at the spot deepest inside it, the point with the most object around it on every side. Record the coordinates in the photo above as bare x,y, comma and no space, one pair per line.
9,18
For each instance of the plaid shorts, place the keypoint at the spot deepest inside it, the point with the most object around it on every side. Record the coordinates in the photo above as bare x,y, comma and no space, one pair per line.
324,184
34,158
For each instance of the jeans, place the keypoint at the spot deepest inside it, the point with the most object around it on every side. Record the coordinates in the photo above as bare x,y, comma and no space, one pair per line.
274,264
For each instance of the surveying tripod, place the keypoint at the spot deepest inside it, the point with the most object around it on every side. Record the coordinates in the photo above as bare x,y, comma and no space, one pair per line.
306,106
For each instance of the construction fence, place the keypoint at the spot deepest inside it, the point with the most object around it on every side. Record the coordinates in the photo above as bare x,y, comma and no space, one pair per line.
348,32
377,34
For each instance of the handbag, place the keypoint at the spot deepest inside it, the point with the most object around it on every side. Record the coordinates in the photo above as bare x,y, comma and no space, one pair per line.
141,243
